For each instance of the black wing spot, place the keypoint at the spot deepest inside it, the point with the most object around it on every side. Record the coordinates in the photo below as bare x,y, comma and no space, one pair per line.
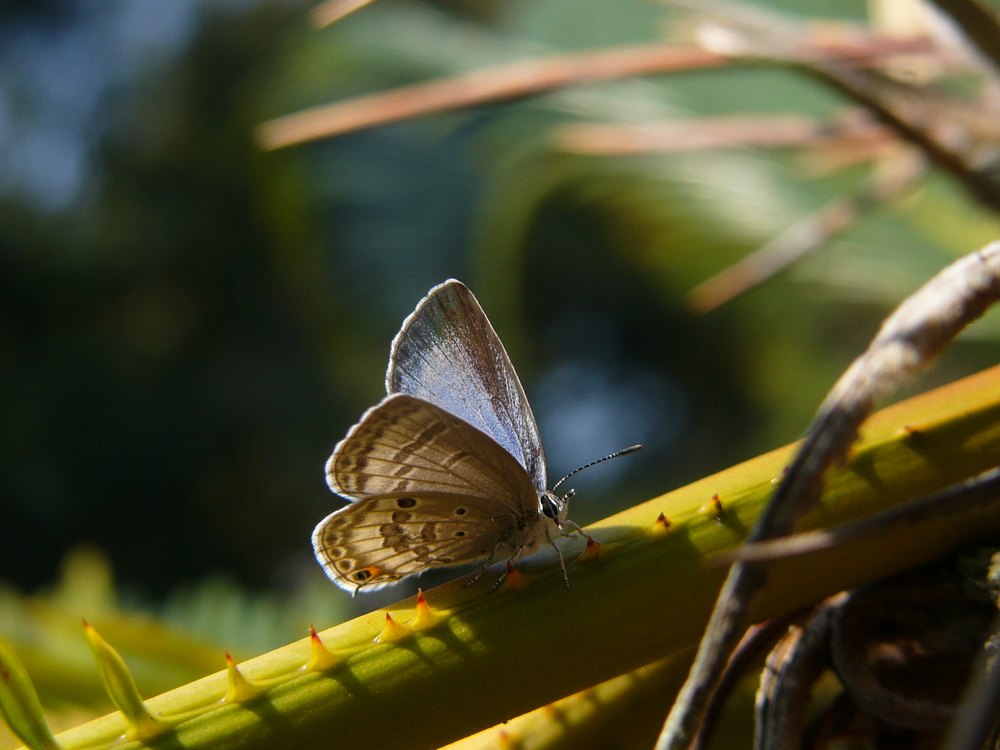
362,575
459,533
405,502
460,511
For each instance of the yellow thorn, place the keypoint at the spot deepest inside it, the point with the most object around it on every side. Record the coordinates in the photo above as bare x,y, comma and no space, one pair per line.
423,616
121,688
19,703
240,689
320,657
392,631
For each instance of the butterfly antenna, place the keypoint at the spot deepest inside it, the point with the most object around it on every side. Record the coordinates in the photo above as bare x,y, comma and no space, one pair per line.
616,454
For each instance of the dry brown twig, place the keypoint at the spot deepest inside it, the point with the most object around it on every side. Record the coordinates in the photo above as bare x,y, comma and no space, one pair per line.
755,644
785,682
953,133
915,332
836,58
979,495
979,25
980,706
733,131
530,77
329,12
808,234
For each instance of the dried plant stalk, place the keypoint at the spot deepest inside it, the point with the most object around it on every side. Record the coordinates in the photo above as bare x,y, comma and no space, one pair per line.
910,337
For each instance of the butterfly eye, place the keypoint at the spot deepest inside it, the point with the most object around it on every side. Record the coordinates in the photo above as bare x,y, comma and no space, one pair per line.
549,508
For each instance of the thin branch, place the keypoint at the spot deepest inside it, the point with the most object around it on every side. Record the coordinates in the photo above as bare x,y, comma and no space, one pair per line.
916,117
951,132
910,337
331,11
786,682
808,234
979,26
979,495
530,77
980,706
700,133
755,644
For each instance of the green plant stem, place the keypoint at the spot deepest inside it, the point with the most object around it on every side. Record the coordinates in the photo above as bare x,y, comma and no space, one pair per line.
494,657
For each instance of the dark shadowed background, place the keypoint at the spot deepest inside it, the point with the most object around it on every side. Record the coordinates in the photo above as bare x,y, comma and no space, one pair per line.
189,324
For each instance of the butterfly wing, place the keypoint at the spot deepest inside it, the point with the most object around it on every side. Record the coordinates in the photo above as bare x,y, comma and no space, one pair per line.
430,489
404,445
448,353
376,542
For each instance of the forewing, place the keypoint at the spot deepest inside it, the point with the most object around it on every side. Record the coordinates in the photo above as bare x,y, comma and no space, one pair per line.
377,542
448,353
406,445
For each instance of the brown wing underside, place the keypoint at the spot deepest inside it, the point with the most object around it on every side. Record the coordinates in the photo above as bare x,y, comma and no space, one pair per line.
378,541
407,445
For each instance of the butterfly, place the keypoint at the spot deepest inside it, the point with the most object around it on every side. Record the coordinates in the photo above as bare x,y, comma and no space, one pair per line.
448,469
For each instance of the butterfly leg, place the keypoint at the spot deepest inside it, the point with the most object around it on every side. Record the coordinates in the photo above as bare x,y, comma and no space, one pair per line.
489,561
562,561
503,576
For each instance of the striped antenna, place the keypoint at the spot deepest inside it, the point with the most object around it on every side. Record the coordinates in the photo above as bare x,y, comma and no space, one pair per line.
616,454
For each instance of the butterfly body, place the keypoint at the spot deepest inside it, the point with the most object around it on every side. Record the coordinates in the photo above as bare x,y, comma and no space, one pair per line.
448,468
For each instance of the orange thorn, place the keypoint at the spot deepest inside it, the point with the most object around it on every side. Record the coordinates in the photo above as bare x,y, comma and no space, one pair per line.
423,616
514,579
320,657
392,631
592,551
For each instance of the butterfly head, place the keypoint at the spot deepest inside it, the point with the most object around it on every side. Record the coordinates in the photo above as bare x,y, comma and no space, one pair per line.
554,507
